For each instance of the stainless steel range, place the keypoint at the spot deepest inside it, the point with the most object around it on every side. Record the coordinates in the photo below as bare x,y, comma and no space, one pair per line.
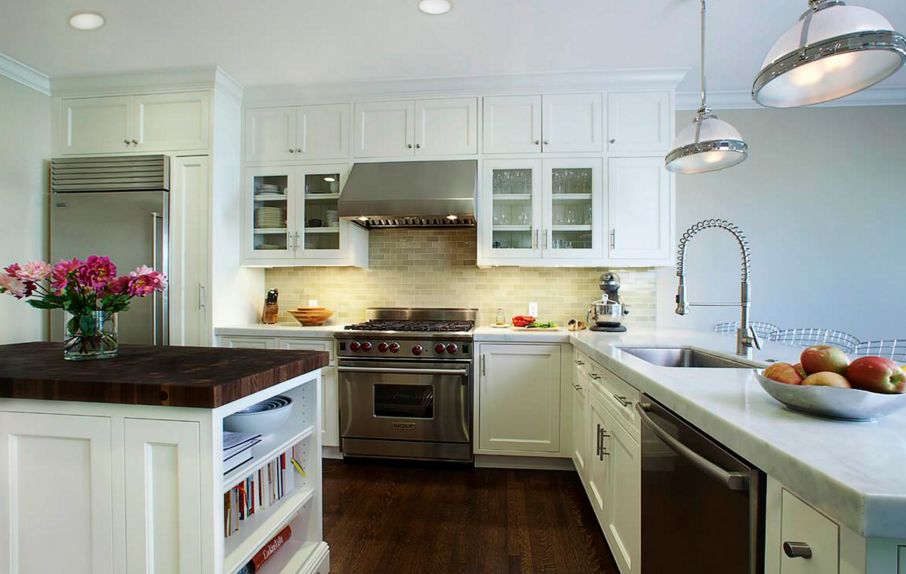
405,379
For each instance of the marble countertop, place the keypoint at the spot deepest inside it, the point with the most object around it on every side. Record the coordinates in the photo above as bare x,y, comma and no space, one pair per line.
850,470
279,330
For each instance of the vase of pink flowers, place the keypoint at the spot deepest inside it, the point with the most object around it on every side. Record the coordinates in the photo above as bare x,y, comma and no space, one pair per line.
90,293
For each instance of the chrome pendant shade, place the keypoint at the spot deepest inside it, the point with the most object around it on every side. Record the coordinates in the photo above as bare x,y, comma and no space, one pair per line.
833,51
709,144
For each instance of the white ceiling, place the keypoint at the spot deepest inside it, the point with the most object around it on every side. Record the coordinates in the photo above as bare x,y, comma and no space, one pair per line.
268,42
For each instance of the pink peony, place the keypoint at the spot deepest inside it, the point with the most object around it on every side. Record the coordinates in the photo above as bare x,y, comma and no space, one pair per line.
15,286
13,270
35,271
62,273
119,286
97,272
144,281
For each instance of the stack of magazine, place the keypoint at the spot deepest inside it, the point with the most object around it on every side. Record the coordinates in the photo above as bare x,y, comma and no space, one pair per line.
237,449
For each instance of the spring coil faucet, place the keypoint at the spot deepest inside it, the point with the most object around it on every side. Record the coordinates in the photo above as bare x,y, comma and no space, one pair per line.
746,338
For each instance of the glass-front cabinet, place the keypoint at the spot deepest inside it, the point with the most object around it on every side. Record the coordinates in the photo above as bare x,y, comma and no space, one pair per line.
293,214
534,209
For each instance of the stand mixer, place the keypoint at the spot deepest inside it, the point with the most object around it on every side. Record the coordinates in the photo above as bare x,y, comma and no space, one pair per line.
607,314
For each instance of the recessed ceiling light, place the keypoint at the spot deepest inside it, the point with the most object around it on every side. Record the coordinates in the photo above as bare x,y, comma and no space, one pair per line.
435,7
86,21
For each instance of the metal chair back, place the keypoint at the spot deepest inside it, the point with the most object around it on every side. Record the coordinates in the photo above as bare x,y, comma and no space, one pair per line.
808,337
893,349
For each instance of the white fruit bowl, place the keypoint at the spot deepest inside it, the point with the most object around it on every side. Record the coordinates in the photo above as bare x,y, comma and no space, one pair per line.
261,418
833,402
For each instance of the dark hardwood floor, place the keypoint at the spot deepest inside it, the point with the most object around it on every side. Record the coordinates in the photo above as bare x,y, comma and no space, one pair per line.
410,518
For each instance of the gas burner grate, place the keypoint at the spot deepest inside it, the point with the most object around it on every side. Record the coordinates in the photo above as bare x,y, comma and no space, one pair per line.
413,326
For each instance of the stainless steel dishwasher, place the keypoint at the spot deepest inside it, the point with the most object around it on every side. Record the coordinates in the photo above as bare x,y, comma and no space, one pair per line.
702,506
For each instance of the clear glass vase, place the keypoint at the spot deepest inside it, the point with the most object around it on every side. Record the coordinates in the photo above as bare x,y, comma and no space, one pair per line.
90,335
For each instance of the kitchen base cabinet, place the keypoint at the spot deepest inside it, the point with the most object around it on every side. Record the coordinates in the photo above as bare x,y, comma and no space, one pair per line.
579,434
623,528
599,462
519,390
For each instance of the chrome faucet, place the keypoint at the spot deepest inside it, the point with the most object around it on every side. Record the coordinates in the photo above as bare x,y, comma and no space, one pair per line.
746,338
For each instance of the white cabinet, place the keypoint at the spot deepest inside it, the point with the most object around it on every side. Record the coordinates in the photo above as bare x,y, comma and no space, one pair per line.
56,494
579,433
400,129
163,496
519,399
291,218
534,210
141,123
233,342
599,462
640,209
789,520
330,406
623,528
570,123
297,133
512,124
639,123
190,298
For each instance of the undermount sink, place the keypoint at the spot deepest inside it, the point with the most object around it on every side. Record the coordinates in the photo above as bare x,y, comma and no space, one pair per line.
686,357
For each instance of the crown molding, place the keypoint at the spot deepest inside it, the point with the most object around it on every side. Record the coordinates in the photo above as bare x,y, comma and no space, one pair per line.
653,79
228,85
182,79
742,100
24,74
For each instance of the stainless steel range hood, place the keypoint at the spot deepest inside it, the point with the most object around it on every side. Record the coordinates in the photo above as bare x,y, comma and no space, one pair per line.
411,194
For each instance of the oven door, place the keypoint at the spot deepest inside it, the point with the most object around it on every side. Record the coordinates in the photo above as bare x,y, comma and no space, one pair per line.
405,400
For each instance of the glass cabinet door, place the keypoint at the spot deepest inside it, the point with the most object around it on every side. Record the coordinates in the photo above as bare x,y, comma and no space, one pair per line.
512,189
573,210
271,198
321,229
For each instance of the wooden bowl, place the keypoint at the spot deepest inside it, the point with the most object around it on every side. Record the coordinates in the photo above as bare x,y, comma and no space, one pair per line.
311,316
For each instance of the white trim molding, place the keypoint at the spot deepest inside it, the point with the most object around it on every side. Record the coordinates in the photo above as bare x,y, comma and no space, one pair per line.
175,80
742,100
24,74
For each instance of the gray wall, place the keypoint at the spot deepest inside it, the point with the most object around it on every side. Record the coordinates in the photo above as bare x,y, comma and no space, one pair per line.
822,198
24,151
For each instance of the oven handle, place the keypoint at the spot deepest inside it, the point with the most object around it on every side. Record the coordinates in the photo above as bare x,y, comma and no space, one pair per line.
399,371
732,480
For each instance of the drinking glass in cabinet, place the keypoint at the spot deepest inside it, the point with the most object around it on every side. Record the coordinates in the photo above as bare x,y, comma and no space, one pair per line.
322,226
512,181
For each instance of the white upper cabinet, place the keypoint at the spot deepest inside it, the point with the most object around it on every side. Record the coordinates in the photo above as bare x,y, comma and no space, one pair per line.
512,124
297,133
638,123
171,122
640,210
143,123
401,129
96,125
384,129
322,132
572,206
270,134
572,123
446,127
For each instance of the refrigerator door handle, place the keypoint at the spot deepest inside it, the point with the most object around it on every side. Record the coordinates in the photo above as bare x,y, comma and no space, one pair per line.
155,331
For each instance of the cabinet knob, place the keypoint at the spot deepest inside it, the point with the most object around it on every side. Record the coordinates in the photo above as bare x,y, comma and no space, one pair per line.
409,146
797,550
298,150
291,150
134,142
547,142
613,141
537,142
418,146
126,142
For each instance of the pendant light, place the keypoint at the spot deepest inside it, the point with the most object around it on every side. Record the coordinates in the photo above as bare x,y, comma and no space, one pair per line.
709,144
833,51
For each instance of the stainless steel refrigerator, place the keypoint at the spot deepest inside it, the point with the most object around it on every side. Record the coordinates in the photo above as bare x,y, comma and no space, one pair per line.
116,207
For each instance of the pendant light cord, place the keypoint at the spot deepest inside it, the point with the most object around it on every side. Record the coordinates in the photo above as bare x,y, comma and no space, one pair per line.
703,76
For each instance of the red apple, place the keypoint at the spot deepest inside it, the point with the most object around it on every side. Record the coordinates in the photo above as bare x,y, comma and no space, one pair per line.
824,358
800,370
876,374
826,379
784,373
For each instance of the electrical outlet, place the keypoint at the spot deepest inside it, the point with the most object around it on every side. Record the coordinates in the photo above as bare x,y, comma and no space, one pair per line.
533,310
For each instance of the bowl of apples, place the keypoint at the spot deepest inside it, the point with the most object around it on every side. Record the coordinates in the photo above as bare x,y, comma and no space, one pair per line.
827,383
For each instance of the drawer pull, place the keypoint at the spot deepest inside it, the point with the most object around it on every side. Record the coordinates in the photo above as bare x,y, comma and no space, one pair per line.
797,550
595,377
622,400
580,363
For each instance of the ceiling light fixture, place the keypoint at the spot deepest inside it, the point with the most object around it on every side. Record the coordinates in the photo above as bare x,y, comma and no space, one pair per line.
86,21
435,7
709,144
833,51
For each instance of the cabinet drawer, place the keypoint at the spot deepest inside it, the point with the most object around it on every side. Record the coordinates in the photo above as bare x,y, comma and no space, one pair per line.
248,342
620,396
294,344
801,523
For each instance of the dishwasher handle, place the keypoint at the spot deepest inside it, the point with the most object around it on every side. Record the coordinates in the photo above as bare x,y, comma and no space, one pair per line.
733,480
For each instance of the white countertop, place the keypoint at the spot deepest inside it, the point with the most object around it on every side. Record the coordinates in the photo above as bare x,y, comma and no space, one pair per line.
850,470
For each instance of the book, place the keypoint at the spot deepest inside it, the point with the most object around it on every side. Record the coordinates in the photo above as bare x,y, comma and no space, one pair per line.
236,461
237,442
267,551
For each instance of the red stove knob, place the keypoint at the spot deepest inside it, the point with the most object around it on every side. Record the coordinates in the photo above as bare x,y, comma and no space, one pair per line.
354,346
452,348
382,347
439,348
394,347
366,346
417,350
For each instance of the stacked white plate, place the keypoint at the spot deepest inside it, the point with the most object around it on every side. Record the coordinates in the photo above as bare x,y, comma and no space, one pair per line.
270,217
267,188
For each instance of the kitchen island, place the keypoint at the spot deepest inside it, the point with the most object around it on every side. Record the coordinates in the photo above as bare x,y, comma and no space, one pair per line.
116,466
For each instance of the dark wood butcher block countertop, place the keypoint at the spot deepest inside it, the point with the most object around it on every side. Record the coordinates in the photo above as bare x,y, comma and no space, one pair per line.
204,377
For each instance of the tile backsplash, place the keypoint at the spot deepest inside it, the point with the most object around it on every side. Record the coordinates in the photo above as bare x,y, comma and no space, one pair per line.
437,268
